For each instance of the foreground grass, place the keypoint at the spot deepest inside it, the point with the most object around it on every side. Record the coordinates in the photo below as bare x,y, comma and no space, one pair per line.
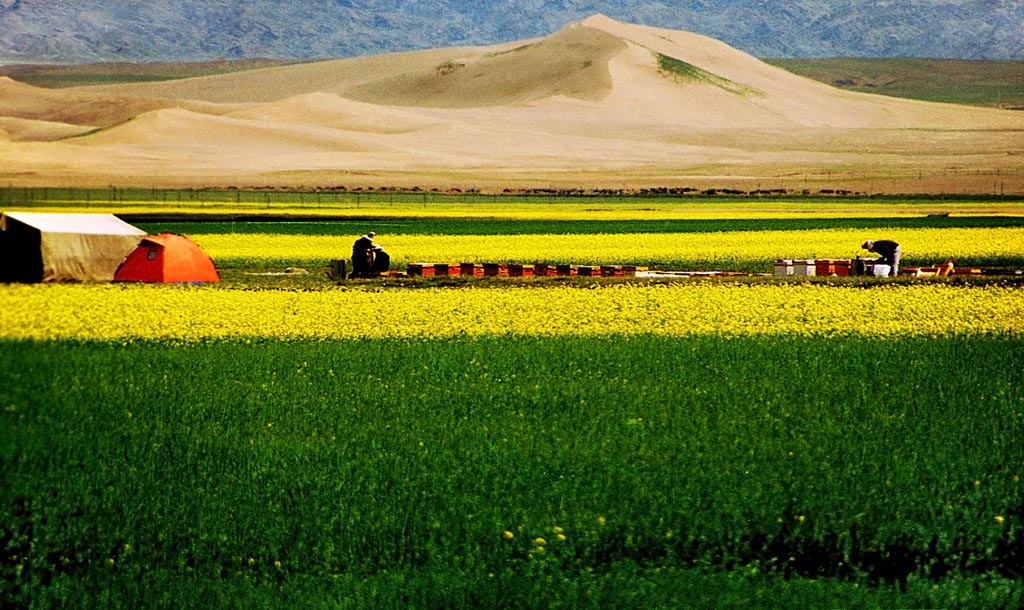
513,472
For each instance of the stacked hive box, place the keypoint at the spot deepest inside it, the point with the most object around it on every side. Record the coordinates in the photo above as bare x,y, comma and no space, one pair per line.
808,267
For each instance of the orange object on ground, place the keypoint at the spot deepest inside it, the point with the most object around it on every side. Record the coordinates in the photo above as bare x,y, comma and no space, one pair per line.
167,257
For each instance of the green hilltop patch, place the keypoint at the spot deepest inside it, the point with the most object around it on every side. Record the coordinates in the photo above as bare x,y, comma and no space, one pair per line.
686,72
998,84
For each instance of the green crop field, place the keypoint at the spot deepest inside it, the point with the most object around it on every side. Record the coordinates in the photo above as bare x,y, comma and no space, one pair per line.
712,446
516,472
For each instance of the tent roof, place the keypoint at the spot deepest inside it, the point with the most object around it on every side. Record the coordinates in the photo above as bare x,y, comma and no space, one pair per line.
93,224
157,240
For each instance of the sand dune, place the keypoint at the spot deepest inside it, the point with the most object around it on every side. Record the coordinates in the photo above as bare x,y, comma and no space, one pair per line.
597,104
180,128
571,63
83,107
28,130
335,112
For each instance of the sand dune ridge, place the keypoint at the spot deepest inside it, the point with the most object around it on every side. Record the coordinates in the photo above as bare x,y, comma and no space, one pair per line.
596,103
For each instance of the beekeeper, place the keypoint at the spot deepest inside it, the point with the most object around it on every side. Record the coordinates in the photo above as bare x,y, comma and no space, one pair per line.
888,250
362,255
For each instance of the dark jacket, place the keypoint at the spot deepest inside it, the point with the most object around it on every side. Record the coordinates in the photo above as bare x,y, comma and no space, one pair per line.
362,255
886,249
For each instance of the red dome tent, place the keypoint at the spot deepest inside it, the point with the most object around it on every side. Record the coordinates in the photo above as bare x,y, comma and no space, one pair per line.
167,258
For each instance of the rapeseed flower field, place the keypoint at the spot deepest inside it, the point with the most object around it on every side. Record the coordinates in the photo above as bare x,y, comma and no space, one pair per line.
124,312
737,250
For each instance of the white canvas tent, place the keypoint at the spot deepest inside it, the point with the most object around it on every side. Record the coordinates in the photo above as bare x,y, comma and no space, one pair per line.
37,247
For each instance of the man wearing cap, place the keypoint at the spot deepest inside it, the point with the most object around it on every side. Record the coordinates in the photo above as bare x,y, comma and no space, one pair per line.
888,250
362,255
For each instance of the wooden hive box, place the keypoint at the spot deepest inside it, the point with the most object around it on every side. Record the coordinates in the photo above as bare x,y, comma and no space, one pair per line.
495,270
471,269
518,270
545,270
420,269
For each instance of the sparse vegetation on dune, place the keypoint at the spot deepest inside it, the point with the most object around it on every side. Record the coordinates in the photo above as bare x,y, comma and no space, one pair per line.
679,69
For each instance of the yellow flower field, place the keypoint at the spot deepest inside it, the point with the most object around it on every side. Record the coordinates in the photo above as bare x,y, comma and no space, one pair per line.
723,250
125,312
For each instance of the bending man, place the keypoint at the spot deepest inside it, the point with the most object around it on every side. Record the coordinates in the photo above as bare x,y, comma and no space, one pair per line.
888,250
362,255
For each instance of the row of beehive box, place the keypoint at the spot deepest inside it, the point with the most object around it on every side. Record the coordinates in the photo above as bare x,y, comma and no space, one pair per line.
807,267
520,270
845,267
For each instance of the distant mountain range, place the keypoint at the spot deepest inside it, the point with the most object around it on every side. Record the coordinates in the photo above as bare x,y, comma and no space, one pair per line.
86,31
